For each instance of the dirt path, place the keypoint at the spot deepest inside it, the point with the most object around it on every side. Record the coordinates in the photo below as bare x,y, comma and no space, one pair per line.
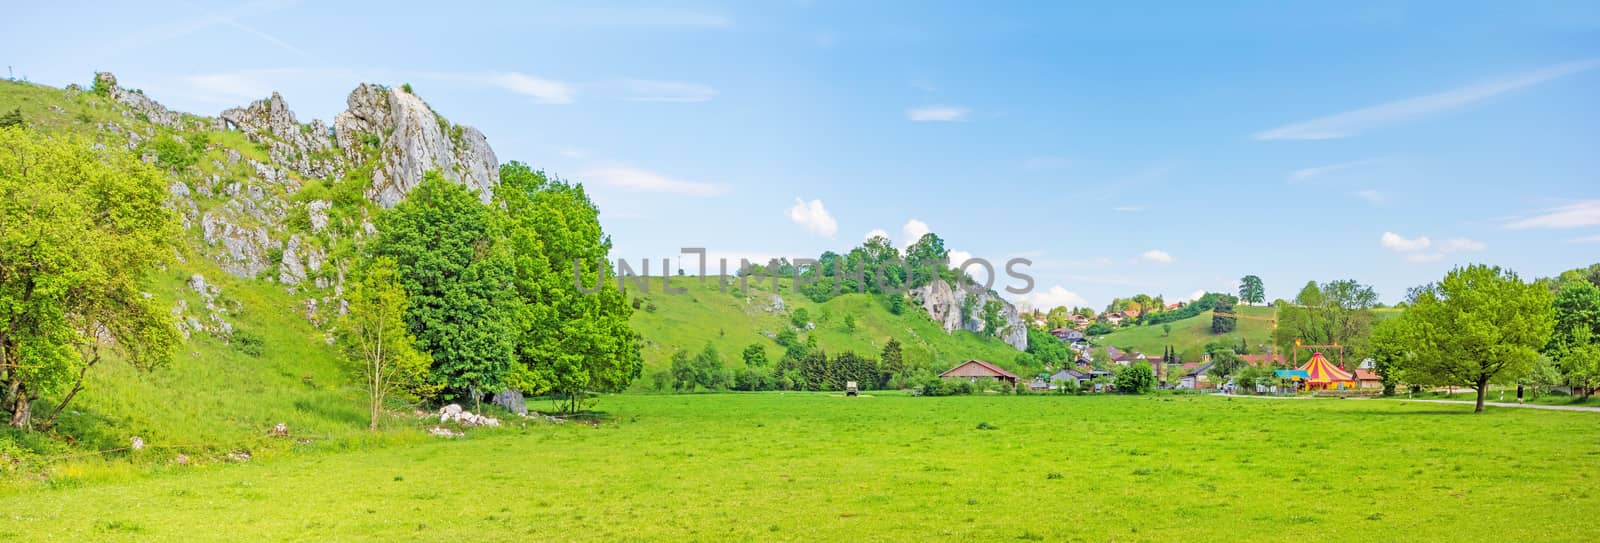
1590,409
1521,405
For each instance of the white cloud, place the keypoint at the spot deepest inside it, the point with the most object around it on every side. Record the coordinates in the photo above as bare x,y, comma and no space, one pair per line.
937,114
647,181
1127,209
876,232
958,257
1350,123
814,217
1586,239
1371,196
544,91
1055,296
1416,250
1156,255
1317,171
1461,244
1397,242
1584,213
643,90
913,231
1195,295
572,152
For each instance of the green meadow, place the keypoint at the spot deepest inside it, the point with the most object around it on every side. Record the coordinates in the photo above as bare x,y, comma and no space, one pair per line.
888,467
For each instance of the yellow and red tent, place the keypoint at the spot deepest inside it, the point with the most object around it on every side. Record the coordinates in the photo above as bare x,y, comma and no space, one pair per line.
1323,374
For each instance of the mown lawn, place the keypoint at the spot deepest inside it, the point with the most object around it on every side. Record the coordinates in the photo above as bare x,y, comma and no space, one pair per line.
818,467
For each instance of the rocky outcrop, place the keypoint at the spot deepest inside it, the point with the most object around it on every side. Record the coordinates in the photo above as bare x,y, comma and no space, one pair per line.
307,150
137,103
961,308
243,250
411,139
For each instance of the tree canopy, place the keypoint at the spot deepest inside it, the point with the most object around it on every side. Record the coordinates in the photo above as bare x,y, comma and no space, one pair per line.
457,275
570,341
1477,326
79,229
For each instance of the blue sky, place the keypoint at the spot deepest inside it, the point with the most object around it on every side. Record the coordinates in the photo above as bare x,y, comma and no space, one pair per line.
1123,148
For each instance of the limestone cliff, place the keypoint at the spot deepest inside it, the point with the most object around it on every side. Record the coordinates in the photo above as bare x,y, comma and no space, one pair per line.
960,308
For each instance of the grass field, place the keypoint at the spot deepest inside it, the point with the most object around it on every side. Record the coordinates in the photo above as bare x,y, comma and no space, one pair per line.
818,467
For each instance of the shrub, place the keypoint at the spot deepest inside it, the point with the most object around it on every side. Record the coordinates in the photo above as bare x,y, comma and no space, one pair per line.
248,342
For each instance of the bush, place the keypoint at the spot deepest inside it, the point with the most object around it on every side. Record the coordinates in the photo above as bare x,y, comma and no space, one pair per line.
248,343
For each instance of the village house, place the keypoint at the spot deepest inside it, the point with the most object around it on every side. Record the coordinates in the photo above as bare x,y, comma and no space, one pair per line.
1368,379
1080,321
1195,377
1069,335
1114,318
973,370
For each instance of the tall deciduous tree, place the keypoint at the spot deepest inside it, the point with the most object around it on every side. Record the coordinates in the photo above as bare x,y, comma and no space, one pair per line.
78,230
1575,343
457,278
1479,326
1251,290
374,333
570,341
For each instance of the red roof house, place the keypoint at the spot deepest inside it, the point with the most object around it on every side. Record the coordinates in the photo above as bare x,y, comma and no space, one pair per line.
978,369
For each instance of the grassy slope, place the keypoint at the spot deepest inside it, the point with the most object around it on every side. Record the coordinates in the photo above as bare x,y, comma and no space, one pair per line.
731,321
212,398
809,467
1194,332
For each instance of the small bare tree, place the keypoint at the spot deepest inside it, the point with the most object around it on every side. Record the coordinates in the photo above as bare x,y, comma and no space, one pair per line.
374,333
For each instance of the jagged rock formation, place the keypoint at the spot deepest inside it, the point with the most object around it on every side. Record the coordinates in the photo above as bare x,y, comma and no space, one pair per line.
961,308
411,140
307,150
137,102
241,207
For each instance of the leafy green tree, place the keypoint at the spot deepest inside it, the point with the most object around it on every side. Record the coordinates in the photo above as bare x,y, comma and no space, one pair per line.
1046,348
79,230
1220,323
683,372
571,341
755,356
1224,363
374,334
800,318
1478,326
1251,290
993,320
1135,379
708,367
1389,349
463,309
892,362
1575,342
1166,329
12,119
926,259
1542,377
1336,312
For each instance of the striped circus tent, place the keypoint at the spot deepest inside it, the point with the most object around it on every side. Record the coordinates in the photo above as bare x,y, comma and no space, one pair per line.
1323,374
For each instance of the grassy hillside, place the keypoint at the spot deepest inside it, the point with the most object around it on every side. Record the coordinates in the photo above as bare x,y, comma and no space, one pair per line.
218,394
733,320
1192,334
